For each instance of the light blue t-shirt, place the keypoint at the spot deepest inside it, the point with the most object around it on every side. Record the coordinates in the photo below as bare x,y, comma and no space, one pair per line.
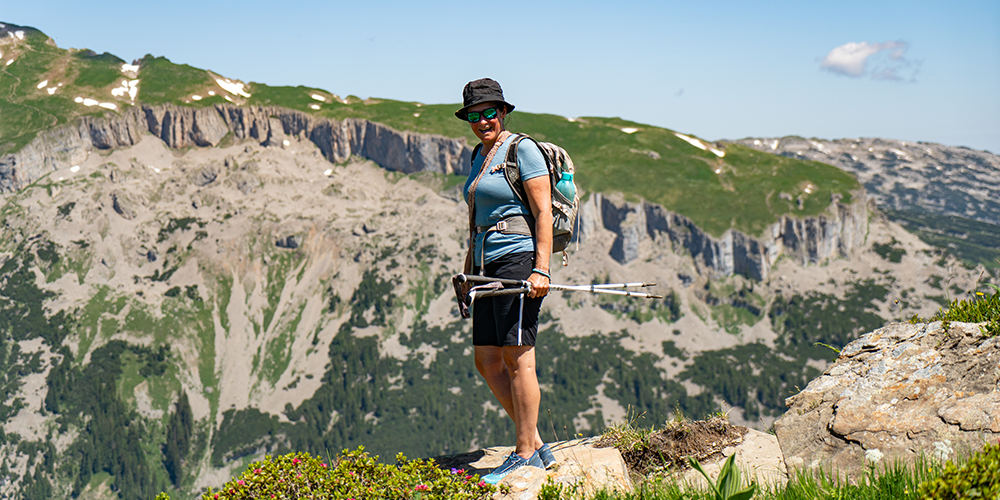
495,200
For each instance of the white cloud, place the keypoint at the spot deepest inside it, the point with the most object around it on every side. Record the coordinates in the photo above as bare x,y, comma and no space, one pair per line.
880,61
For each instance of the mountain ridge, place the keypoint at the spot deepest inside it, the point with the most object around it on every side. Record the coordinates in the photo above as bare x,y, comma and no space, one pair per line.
611,154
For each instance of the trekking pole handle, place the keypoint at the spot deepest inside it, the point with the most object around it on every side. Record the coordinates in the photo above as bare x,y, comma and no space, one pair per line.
479,280
477,294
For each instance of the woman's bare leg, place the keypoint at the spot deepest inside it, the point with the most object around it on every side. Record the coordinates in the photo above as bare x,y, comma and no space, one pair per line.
490,361
525,395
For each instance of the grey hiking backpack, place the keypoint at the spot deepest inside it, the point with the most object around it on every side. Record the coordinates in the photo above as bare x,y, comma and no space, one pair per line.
564,210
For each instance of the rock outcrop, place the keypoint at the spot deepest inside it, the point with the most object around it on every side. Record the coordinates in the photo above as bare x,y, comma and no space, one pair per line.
809,240
895,393
580,465
183,127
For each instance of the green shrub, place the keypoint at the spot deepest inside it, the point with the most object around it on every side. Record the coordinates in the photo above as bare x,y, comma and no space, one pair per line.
981,308
977,478
354,474
889,251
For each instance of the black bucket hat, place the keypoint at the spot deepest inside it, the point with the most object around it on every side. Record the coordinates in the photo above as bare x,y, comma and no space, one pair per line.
480,91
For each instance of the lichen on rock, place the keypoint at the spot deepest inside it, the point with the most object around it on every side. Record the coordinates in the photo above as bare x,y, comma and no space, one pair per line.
898,392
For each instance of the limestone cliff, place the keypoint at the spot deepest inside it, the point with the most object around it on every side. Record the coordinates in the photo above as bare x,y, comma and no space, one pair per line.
183,127
810,240
838,233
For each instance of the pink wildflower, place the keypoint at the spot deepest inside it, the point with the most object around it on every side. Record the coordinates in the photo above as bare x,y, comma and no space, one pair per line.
322,465
295,460
240,482
482,484
421,487
256,471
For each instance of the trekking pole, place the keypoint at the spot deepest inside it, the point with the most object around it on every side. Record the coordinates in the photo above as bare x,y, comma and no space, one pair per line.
608,286
473,278
606,291
525,287
481,280
475,294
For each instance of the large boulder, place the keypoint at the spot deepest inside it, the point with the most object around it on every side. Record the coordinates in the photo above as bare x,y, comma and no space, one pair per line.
896,393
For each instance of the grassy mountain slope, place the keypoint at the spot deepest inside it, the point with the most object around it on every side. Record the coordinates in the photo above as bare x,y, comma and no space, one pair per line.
743,189
27,108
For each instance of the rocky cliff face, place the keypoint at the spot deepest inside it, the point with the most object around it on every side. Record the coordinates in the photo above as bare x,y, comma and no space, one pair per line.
838,233
810,240
181,127
895,393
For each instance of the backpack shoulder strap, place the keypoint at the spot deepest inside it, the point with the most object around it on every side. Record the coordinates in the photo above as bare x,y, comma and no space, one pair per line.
475,151
511,170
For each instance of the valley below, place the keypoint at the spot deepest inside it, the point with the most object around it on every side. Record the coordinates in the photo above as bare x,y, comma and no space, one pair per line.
302,305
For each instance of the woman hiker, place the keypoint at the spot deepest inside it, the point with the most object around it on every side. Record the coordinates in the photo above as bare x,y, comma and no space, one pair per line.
504,327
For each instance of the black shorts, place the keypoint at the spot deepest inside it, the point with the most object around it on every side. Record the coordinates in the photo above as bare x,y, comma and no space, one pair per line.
495,319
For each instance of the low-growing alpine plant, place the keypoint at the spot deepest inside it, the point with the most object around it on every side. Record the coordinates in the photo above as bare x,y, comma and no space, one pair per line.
979,477
353,475
980,308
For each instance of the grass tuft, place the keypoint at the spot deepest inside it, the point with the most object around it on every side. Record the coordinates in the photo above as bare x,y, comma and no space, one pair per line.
981,307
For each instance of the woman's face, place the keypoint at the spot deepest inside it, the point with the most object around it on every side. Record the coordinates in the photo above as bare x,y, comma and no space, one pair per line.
488,130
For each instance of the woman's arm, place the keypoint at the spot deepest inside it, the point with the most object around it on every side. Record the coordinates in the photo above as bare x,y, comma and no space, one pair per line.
539,192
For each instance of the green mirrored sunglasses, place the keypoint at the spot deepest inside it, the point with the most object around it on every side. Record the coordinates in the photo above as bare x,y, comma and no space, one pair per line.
475,116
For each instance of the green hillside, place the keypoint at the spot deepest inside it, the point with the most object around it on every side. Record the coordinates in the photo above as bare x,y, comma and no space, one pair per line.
26,106
744,189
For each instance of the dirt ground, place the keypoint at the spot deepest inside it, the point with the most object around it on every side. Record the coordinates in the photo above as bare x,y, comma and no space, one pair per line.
669,448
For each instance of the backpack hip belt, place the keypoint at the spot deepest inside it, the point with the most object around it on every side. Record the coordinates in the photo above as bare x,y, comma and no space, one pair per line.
515,224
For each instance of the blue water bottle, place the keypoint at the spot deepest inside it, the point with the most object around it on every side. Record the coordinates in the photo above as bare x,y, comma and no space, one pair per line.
566,186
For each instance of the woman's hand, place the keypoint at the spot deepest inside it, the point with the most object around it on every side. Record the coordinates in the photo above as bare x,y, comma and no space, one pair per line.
539,286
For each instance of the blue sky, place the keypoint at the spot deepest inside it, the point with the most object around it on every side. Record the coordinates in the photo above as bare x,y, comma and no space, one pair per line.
915,71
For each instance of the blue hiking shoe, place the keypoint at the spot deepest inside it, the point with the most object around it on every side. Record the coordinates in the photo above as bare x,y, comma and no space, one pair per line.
511,464
545,453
